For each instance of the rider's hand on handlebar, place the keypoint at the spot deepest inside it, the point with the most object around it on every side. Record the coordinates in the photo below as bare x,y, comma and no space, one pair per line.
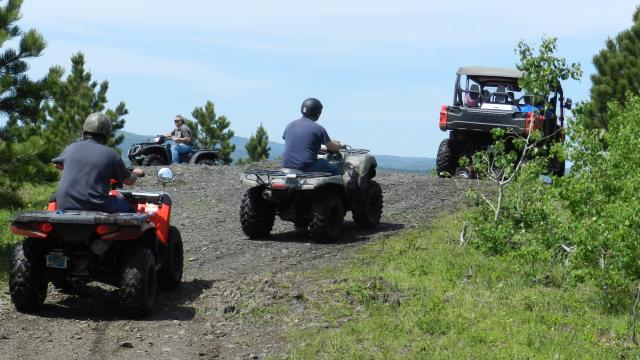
139,172
340,145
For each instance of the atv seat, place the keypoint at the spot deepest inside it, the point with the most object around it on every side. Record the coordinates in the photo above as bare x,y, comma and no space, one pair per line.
301,173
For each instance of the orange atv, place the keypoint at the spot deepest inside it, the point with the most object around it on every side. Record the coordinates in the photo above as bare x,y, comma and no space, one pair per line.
132,251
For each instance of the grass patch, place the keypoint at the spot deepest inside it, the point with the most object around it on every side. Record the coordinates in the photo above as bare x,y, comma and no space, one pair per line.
420,295
34,197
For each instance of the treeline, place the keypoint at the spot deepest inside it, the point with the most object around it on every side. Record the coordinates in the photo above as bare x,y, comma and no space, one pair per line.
44,115
583,227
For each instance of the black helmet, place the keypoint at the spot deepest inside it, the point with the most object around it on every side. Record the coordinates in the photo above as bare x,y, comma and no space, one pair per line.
312,108
97,123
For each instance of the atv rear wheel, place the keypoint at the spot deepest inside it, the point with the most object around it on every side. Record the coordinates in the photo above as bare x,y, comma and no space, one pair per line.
27,285
327,217
367,214
209,162
465,173
171,270
256,214
152,160
446,160
138,283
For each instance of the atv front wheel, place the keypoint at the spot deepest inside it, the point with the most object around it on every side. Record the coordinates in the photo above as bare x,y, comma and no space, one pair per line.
327,217
446,160
27,285
256,214
138,283
152,160
170,273
367,214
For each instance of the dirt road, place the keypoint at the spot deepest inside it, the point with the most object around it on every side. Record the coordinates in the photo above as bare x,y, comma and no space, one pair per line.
228,305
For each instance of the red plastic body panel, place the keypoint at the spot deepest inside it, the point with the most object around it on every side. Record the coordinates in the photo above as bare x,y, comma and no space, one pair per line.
443,117
27,231
124,233
160,216
538,121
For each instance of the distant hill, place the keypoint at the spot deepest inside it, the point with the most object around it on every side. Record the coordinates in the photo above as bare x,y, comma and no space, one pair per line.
402,163
390,162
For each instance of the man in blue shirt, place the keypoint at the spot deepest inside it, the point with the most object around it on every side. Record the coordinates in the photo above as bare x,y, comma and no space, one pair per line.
303,138
88,167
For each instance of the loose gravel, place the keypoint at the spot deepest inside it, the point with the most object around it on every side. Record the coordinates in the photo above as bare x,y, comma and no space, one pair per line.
225,307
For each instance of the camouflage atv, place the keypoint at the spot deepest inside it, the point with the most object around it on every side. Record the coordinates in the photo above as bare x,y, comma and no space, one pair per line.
314,202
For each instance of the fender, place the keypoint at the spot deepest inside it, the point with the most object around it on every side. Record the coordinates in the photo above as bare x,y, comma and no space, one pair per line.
203,154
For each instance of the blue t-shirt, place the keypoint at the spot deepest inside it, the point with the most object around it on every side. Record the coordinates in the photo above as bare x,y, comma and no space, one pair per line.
302,140
88,169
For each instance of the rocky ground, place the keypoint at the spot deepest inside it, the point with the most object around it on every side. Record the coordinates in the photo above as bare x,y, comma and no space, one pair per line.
239,296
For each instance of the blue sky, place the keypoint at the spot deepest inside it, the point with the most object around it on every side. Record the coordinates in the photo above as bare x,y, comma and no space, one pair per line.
381,68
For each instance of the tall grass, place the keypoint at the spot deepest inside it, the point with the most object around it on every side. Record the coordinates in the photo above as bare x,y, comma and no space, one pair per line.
421,295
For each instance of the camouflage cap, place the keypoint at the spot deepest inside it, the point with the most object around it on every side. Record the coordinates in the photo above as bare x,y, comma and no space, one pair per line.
97,123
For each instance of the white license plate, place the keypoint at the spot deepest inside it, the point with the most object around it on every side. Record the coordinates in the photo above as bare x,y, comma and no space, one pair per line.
292,182
57,261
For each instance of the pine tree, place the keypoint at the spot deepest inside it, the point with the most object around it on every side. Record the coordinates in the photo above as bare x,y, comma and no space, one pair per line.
20,101
258,145
73,99
617,72
213,131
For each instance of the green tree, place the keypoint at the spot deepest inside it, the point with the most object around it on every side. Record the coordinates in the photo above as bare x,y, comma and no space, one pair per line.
617,73
20,101
601,196
543,71
258,145
72,100
502,164
213,131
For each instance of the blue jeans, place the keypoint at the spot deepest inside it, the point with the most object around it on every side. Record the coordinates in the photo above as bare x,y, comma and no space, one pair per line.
177,149
323,165
119,205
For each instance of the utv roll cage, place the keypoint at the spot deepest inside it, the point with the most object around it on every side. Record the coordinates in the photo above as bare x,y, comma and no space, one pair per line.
474,81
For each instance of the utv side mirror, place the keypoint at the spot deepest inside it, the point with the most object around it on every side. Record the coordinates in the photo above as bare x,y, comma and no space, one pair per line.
165,175
568,104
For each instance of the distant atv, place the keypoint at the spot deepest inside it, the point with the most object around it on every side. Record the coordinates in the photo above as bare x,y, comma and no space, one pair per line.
158,153
314,202
132,251
487,98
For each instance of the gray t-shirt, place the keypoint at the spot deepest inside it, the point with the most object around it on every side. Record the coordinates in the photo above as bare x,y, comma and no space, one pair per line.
88,169
302,141
182,131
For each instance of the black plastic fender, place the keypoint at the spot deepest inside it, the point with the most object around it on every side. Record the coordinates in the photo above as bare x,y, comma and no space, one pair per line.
203,154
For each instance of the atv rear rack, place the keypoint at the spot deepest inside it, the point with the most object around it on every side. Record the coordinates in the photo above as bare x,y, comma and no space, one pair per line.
80,217
268,173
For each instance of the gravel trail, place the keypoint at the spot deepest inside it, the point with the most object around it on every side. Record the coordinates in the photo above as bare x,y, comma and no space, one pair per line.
216,312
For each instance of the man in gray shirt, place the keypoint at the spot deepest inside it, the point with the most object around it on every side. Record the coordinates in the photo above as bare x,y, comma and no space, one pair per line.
88,167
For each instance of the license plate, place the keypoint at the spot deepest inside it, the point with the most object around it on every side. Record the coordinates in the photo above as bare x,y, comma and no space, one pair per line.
57,261
292,182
